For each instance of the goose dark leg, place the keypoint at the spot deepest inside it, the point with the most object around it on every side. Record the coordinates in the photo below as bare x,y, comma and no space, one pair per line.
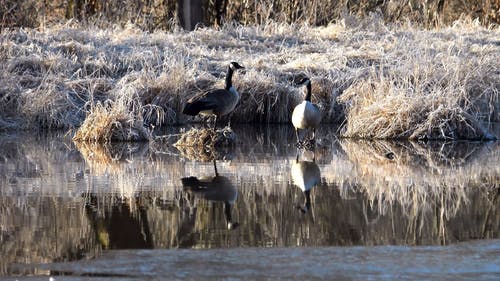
310,142
215,169
297,134
230,117
307,203
215,123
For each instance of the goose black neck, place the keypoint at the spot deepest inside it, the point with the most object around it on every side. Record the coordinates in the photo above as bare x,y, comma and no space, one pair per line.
307,194
308,94
227,211
229,78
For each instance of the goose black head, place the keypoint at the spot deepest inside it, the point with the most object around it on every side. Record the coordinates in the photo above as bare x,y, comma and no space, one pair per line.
234,65
307,82
304,81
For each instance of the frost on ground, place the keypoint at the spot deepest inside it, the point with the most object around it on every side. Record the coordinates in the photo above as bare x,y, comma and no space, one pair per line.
380,81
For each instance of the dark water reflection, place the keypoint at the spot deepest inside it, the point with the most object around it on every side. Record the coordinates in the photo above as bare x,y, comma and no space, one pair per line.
61,201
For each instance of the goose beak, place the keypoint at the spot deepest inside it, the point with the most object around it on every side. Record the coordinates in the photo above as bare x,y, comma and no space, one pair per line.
235,65
302,81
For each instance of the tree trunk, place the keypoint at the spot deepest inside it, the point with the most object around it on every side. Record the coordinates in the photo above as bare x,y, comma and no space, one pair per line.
190,13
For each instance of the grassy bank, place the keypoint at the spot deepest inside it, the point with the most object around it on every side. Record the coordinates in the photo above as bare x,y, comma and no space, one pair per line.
380,81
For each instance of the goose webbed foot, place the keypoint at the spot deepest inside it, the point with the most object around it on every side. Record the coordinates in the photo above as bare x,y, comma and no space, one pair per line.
299,144
309,144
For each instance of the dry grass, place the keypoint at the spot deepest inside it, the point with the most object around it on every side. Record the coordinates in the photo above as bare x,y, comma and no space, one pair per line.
381,81
110,122
426,93
201,138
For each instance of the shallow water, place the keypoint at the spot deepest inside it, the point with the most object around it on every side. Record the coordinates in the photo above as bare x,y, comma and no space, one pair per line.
61,201
464,261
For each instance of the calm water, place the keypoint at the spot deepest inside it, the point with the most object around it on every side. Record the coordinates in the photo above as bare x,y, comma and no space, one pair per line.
61,201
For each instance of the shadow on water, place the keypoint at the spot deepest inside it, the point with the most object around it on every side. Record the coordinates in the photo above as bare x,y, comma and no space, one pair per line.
61,201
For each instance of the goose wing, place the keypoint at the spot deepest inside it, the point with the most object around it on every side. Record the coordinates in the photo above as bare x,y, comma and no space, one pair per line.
201,102
220,101
215,96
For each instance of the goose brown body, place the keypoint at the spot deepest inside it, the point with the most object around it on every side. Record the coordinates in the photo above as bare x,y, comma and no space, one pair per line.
218,102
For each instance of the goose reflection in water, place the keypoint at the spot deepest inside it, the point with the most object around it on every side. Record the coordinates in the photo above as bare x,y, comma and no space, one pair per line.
214,188
305,175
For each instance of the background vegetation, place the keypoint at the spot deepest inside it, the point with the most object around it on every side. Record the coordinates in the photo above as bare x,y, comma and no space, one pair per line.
154,14
107,77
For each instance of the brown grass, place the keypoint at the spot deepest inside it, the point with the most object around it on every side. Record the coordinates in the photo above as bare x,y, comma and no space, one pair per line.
109,122
379,80
201,138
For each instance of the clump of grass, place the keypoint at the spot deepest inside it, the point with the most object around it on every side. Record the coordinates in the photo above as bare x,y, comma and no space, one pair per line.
207,138
119,120
384,110
205,154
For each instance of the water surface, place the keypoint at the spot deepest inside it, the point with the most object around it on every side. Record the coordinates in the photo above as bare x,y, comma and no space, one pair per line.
61,201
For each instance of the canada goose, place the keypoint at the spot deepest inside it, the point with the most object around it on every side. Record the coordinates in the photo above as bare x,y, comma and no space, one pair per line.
218,102
306,115
305,175
214,188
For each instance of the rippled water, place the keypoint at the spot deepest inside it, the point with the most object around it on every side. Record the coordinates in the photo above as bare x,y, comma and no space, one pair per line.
61,201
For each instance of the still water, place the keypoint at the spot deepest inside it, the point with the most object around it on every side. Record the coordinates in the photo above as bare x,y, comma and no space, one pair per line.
61,201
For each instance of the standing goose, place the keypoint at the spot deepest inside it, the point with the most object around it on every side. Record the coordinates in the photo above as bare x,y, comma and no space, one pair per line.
217,102
306,115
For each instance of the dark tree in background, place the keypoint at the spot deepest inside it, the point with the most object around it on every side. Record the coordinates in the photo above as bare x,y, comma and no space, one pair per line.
190,13
81,9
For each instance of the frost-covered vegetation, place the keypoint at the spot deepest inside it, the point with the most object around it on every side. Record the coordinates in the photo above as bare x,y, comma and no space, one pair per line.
379,80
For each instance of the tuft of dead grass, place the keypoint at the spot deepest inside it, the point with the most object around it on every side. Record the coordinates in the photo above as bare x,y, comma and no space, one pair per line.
383,110
207,138
112,121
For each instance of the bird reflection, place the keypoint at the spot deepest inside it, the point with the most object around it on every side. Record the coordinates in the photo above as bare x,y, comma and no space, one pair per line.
214,188
305,175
